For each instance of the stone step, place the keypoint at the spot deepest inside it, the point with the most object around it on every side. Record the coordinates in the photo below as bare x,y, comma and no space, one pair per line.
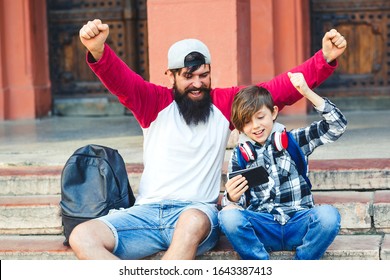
350,174
344,247
38,214
358,175
361,212
45,180
38,247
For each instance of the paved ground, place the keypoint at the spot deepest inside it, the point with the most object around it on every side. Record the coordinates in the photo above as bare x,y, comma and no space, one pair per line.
50,141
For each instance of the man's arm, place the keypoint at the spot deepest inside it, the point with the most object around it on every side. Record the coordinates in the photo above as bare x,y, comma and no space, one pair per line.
144,99
333,45
316,70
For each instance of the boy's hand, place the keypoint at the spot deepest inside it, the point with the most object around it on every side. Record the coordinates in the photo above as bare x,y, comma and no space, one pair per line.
333,45
235,187
299,82
93,35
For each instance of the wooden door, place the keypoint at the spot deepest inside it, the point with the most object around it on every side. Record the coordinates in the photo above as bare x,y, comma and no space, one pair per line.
362,80
70,75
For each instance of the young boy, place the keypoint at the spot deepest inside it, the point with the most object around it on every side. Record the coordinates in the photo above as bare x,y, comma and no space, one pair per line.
280,214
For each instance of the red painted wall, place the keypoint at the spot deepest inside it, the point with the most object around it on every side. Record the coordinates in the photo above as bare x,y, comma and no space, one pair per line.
214,22
249,40
24,78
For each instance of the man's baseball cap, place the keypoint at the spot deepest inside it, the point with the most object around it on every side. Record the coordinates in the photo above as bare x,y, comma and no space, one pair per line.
179,50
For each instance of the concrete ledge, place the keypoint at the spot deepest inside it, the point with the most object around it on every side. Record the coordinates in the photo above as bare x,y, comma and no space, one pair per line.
350,174
353,175
385,248
345,247
92,106
354,247
43,247
361,211
40,214
30,180
30,215
381,211
46,180
355,207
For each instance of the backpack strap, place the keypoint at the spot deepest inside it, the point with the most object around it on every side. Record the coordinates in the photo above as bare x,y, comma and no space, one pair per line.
298,157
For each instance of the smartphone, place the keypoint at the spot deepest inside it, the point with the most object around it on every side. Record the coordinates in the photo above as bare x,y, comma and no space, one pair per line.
255,175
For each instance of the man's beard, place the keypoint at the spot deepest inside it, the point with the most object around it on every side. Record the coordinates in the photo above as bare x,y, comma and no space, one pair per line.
192,111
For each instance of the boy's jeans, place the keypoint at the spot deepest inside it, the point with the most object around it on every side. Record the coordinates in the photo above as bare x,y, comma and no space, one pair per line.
253,234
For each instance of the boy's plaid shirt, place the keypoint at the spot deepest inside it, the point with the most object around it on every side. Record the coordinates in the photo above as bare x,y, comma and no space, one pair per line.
287,191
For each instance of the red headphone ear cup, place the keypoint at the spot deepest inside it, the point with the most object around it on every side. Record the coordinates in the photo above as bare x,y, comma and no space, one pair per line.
247,151
280,140
284,139
244,154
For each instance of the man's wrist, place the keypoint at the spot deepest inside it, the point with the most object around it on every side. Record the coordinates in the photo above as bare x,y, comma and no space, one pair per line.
97,54
328,60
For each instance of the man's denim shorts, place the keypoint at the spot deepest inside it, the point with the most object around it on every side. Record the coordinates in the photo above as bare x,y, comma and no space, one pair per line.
143,230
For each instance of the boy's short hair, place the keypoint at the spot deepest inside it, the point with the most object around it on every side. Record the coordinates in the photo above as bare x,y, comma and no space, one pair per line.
247,102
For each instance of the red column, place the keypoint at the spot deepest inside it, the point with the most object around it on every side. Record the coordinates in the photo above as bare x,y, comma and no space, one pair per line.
262,40
280,39
3,88
292,37
24,78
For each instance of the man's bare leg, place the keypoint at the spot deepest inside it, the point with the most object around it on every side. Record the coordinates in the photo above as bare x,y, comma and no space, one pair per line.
191,229
92,240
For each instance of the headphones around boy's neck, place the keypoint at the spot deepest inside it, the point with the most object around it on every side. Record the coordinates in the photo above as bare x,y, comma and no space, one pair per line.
279,141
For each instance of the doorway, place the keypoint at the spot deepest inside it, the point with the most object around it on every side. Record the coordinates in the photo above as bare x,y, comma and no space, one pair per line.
75,89
362,80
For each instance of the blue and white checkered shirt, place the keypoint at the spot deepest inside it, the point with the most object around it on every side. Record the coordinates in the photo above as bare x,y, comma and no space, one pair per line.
287,192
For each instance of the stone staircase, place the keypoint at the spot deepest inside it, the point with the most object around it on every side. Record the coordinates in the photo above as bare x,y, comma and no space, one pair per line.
30,221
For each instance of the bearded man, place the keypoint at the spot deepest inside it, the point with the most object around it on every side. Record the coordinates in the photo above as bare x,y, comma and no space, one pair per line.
186,129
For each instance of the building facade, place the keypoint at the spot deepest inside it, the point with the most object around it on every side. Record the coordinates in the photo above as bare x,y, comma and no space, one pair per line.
42,62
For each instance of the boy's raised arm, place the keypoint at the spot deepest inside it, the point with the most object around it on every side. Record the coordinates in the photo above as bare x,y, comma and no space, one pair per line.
298,81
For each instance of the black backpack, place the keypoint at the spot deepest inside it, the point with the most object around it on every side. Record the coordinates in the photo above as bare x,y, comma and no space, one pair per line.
93,181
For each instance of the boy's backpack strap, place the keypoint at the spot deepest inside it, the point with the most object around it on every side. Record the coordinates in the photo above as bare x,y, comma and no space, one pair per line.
298,157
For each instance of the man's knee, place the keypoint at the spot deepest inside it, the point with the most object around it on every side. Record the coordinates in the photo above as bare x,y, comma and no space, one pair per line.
195,223
93,233
78,234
